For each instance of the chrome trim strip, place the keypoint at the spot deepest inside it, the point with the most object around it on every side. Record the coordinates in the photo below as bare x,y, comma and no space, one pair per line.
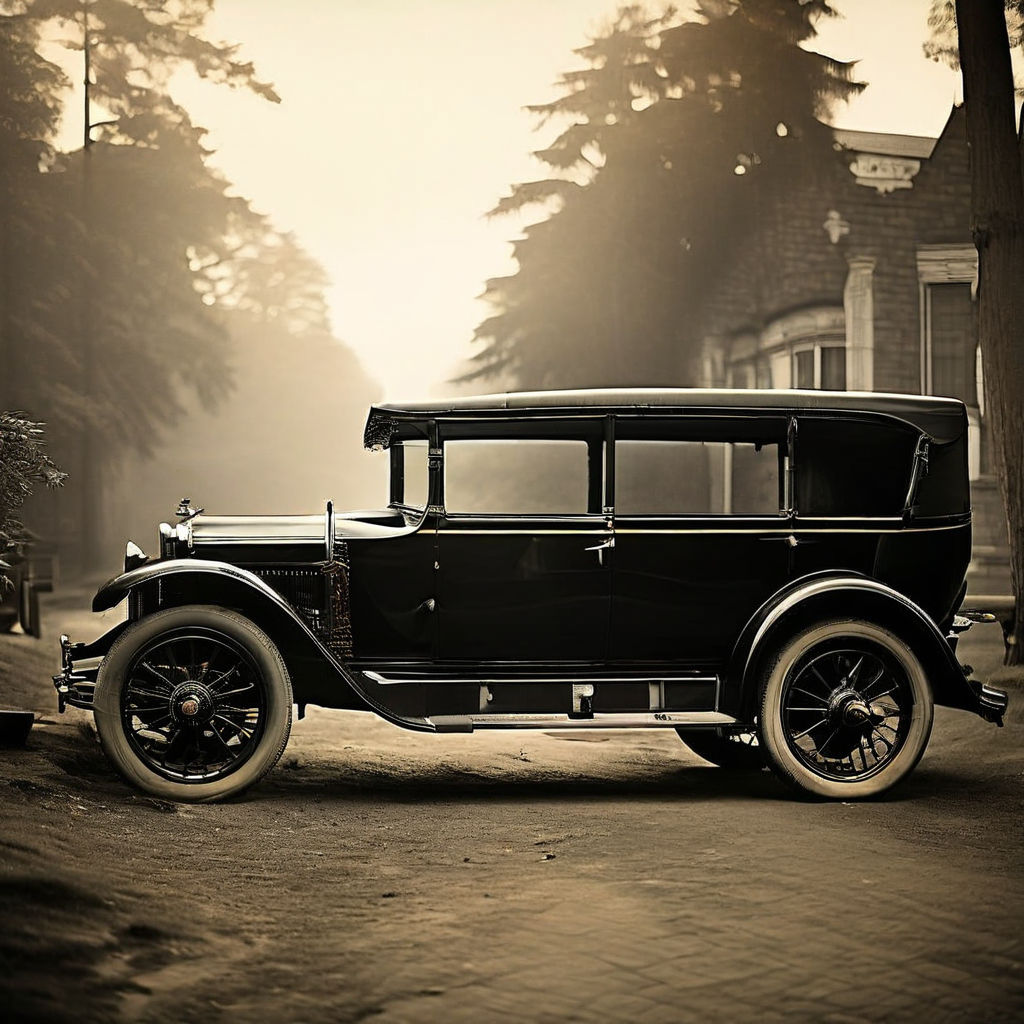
847,519
597,531
808,531
384,680
236,540
753,530
601,720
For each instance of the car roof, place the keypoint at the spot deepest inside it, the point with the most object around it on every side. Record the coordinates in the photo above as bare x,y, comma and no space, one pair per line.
942,418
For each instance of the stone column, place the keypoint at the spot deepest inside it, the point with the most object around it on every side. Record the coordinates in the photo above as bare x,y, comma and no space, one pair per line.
859,306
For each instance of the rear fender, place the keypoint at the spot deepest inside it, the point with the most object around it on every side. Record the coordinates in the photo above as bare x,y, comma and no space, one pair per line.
831,595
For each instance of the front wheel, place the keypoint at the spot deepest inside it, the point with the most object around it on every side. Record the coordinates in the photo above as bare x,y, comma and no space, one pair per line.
845,710
193,703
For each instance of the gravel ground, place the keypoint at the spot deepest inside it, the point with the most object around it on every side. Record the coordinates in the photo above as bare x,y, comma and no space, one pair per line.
504,876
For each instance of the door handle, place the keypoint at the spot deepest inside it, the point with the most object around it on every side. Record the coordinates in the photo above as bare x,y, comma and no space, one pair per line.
789,539
602,548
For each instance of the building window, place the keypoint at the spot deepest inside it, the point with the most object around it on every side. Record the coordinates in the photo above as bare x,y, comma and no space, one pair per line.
953,343
820,366
802,349
950,356
803,368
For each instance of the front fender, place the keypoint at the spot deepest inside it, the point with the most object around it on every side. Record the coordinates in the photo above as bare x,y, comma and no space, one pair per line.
200,581
114,591
848,595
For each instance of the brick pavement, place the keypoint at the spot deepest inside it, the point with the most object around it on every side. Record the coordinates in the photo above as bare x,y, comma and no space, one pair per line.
401,878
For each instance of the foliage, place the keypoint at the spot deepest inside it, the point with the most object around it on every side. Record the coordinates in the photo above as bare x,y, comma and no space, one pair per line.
942,45
109,304
23,463
676,128
121,263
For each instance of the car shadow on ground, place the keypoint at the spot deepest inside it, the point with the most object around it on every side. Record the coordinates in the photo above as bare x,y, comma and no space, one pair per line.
70,761
444,782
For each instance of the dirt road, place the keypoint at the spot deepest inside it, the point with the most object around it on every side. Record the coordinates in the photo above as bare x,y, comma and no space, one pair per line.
529,877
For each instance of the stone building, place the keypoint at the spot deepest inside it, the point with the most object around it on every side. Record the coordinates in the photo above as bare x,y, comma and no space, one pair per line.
861,276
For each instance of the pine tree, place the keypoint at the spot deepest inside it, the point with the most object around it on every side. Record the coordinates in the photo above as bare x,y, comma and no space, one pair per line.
679,128
125,261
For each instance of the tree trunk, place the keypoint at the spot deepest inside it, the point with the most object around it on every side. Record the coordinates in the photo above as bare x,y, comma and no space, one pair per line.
997,188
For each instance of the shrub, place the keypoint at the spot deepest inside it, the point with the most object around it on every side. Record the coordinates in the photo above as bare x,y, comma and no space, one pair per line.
23,464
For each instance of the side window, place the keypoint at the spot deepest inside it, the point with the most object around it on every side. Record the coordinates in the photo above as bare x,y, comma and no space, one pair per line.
850,468
515,477
412,475
683,477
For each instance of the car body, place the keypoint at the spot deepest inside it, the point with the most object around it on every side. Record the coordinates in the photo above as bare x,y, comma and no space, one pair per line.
774,574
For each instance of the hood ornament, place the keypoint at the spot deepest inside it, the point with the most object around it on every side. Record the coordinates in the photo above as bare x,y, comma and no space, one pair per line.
185,511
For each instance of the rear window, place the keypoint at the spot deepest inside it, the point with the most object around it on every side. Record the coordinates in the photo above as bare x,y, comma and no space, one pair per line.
852,467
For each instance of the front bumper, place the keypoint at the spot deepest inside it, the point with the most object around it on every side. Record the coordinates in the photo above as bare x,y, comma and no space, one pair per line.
79,667
76,683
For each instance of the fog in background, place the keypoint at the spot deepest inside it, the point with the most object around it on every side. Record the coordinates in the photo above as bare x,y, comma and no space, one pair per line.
385,162
288,438
332,217
402,123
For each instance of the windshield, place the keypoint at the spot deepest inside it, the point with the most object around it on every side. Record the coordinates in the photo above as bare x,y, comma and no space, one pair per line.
409,476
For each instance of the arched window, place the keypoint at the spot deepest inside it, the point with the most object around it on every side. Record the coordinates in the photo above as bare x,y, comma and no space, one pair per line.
802,349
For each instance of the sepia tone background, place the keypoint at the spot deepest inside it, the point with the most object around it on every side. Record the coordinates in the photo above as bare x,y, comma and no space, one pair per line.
346,246
261,219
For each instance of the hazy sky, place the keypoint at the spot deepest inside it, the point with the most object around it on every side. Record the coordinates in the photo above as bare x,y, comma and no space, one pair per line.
401,124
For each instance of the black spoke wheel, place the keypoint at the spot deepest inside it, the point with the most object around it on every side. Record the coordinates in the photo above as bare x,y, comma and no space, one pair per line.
734,751
846,710
193,703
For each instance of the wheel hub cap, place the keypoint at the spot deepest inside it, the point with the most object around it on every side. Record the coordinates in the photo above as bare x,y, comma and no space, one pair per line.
192,703
856,712
848,707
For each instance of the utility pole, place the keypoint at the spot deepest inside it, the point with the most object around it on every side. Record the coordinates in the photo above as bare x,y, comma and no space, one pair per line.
90,492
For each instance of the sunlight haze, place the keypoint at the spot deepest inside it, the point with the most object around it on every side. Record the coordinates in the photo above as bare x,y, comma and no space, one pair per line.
402,123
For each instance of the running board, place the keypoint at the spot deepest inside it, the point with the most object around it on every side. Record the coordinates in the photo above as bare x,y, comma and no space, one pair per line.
629,720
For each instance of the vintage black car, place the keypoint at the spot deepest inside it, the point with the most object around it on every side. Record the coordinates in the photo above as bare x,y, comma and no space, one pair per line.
773,574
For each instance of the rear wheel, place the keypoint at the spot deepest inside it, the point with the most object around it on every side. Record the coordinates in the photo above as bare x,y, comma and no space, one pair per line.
193,703
737,751
846,710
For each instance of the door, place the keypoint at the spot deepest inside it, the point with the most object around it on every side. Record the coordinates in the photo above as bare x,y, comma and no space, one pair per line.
702,534
523,567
